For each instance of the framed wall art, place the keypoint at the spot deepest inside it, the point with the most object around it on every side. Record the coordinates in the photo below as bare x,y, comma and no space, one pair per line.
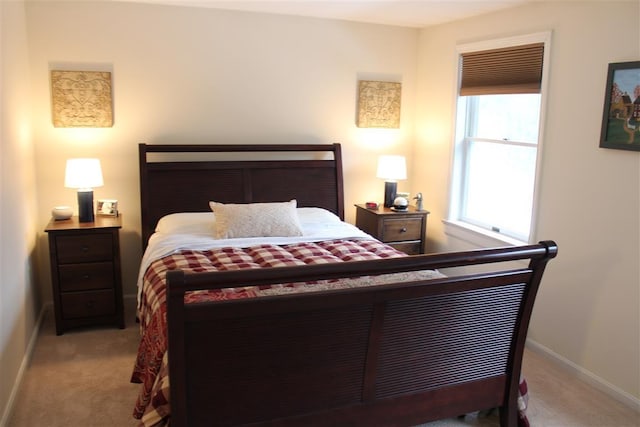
81,99
621,114
378,104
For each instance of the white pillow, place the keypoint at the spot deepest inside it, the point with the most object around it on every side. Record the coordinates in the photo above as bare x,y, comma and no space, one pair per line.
187,223
256,220
316,215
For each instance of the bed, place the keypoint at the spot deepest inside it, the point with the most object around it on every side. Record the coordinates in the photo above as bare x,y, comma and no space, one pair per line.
318,325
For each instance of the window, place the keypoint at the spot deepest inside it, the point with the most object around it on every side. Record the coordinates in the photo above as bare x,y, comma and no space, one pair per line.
498,136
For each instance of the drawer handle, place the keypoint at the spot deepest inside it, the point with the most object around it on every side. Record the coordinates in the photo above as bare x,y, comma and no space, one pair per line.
86,277
85,249
403,230
90,304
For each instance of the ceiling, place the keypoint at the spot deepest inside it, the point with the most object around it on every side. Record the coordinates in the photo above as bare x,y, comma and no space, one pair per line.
406,13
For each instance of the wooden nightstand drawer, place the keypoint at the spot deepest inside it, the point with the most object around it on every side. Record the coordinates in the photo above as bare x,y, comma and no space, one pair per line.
83,277
84,248
394,230
88,304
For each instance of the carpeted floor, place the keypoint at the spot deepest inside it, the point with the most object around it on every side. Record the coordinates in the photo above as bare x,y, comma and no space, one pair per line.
81,379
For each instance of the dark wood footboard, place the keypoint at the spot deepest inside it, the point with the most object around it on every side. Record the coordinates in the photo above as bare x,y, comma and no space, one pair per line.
396,354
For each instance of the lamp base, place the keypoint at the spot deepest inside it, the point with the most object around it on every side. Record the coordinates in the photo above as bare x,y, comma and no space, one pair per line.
85,206
390,189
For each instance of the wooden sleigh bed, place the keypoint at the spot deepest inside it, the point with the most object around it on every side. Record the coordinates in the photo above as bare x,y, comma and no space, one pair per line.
411,349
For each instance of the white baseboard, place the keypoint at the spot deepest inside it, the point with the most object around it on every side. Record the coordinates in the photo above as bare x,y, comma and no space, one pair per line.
586,376
24,365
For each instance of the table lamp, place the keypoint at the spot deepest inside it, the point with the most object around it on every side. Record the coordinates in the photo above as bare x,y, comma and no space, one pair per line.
84,174
391,169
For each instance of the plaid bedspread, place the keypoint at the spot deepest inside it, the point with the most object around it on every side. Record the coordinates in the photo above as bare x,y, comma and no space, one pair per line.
151,367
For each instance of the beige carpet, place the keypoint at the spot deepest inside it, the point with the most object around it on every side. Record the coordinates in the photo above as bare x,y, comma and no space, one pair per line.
81,379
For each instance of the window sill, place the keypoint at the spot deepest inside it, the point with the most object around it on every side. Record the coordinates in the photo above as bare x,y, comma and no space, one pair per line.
477,236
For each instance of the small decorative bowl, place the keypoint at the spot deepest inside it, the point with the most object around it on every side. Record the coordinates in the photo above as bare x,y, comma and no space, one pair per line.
62,212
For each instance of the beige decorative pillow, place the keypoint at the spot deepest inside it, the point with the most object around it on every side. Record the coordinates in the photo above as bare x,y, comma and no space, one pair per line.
256,220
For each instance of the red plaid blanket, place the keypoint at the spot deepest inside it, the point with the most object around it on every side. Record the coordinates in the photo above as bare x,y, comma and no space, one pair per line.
151,366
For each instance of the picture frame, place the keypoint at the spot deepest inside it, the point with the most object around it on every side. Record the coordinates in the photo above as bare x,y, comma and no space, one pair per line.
379,104
621,113
81,99
107,207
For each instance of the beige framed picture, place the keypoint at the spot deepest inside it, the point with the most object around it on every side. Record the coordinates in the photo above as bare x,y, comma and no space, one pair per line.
379,104
107,207
81,99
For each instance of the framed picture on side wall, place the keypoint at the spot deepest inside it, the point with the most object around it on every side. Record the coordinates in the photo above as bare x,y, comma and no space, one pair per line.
621,114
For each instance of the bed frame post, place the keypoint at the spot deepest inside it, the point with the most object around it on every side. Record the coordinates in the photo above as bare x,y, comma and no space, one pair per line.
508,411
175,330
337,157
144,201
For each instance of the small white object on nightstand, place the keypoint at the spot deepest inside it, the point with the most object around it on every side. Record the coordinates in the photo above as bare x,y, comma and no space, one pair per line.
61,212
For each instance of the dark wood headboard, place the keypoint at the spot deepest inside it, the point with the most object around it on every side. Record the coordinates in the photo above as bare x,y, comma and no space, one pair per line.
170,184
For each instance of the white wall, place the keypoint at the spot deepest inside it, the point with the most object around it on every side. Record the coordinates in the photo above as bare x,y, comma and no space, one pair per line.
588,310
18,301
189,75
194,76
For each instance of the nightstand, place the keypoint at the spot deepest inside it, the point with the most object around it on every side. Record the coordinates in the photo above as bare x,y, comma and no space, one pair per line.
85,272
404,231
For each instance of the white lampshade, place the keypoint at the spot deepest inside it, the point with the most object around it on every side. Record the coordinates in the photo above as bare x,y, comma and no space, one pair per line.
83,173
391,168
